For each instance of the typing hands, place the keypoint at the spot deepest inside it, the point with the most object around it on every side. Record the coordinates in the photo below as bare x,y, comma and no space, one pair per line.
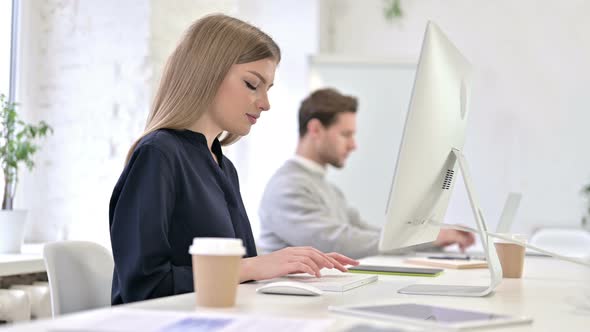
451,236
292,260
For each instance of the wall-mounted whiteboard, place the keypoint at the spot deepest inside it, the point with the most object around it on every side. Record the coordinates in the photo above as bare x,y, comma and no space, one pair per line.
383,88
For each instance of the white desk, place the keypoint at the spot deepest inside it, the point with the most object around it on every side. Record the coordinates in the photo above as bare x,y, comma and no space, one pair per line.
30,260
555,294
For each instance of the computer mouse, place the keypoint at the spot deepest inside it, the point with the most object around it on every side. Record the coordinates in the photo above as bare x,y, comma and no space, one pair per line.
289,288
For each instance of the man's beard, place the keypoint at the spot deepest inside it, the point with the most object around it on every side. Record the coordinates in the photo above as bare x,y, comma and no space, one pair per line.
336,163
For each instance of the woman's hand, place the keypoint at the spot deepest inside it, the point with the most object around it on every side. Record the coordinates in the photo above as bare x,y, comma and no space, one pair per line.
292,260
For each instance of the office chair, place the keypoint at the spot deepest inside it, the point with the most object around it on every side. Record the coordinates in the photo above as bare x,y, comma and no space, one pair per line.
572,242
80,275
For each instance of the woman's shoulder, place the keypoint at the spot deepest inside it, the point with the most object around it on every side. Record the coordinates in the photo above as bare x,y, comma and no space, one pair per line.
164,140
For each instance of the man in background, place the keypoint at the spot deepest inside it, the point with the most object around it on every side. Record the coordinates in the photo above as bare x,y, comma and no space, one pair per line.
300,208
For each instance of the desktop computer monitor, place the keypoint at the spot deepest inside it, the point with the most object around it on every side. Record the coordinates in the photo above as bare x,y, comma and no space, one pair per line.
430,151
435,125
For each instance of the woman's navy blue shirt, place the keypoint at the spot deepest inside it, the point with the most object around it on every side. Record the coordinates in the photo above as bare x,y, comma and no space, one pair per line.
171,191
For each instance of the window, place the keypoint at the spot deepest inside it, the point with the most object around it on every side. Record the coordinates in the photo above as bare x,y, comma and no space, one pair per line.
5,45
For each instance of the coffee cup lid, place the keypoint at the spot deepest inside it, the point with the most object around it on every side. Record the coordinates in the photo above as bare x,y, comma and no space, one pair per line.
217,246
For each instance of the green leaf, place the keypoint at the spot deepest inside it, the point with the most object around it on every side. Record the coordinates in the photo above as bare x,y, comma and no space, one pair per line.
392,9
18,140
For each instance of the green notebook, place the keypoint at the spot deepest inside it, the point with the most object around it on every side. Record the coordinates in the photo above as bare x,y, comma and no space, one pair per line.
396,270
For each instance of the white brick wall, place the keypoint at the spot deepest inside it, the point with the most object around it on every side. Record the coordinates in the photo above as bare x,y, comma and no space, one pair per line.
90,81
88,68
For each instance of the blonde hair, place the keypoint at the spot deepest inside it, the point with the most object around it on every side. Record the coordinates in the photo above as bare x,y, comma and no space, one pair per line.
195,70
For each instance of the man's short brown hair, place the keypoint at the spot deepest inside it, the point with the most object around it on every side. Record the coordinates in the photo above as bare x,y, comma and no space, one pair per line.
324,105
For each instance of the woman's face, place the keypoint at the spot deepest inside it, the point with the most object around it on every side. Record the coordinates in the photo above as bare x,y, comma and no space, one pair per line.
243,96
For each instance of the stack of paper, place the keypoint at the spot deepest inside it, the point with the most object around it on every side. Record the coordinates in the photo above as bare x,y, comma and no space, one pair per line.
448,263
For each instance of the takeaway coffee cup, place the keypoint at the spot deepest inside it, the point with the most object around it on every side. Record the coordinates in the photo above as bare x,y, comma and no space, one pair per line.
511,255
216,265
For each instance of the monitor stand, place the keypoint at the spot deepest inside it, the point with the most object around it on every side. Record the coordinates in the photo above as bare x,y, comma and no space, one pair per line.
488,245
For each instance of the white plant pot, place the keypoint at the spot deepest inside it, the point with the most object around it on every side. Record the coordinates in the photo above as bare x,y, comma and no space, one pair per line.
12,230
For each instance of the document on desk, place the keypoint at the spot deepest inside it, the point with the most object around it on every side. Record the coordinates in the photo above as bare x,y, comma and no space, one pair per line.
126,320
448,263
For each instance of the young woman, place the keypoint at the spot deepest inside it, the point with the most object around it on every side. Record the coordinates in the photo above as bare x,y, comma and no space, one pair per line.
177,184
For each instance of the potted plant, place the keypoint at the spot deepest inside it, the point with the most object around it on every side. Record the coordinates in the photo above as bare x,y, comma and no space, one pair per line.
17,146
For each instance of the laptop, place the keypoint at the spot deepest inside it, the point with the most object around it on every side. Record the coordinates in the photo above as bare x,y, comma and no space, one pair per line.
504,226
508,213
331,281
507,218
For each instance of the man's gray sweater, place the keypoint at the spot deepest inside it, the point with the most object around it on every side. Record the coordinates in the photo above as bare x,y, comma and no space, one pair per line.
300,208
